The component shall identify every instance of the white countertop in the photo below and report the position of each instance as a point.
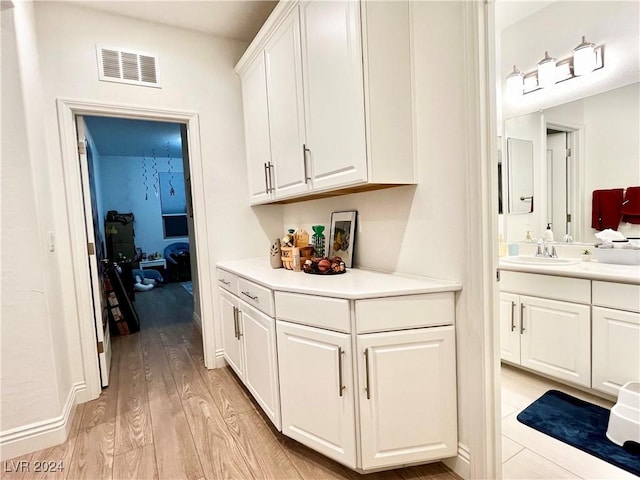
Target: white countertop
(592, 270)
(356, 284)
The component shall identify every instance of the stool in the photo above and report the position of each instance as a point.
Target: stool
(624, 420)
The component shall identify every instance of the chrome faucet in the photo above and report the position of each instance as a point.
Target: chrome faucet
(544, 251)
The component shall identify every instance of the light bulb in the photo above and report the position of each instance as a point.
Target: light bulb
(515, 82)
(584, 58)
(547, 71)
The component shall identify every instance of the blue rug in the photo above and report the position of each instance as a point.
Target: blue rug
(582, 425)
(188, 286)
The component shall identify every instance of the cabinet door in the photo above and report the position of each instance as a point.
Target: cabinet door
(556, 339)
(333, 90)
(286, 108)
(231, 340)
(261, 367)
(407, 392)
(256, 129)
(616, 348)
(510, 327)
(316, 390)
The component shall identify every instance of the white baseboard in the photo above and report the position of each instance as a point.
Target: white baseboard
(220, 361)
(461, 465)
(44, 434)
(197, 320)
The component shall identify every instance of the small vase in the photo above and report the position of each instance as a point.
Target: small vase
(318, 240)
(275, 254)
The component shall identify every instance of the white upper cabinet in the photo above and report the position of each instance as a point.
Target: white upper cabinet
(286, 108)
(256, 129)
(338, 96)
(334, 92)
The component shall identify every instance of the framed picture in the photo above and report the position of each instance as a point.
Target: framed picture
(342, 236)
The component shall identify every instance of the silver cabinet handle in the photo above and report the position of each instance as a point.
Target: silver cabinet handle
(238, 312)
(366, 373)
(248, 294)
(235, 322)
(521, 318)
(270, 187)
(266, 177)
(223, 281)
(304, 161)
(341, 387)
(513, 320)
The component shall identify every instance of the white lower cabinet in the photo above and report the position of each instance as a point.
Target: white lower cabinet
(616, 348)
(231, 339)
(261, 363)
(555, 336)
(407, 396)
(316, 385)
(249, 342)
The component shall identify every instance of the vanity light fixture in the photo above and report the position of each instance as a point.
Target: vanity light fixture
(515, 82)
(585, 59)
(547, 71)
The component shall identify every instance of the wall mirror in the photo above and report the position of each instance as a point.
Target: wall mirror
(520, 175)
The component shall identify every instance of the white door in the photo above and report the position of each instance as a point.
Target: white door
(231, 333)
(510, 327)
(286, 108)
(256, 130)
(616, 348)
(407, 390)
(557, 193)
(316, 389)
(96, 254)
(261, 363)
(556, 339)
(334, 92)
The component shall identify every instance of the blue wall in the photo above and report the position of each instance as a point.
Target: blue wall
(123, 189)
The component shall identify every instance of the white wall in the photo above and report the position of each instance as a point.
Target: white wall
(28, 378)
(123, 191)
(423, 229)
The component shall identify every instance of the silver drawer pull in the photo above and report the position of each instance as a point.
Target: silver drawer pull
(223, 281)
(248, 294)
(513, 323)
(521, 318)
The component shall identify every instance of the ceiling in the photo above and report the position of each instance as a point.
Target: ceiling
(121, 137)
(509, 12)
(235, 19)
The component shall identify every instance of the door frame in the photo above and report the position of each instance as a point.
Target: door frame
(67, 109)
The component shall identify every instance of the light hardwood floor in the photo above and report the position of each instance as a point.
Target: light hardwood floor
(165, 416)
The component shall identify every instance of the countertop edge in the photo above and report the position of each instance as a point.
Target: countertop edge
(573, 271)
(431, 285)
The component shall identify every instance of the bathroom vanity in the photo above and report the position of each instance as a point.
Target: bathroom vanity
(360, 367)
(579, 324)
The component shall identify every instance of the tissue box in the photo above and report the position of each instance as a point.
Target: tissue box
(619, 256)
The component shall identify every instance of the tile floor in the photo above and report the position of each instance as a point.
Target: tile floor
(529, 454)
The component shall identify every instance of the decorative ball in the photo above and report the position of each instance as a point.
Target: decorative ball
(324, 265)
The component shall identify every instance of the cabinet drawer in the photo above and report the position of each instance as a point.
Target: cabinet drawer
(577, 290)
(409, 311)
(227, 280)
(323, 312)
(621, 296)
(256, 295)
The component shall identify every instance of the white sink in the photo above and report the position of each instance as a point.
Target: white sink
(523, 260)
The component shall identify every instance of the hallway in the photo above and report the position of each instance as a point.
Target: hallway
(166, 416)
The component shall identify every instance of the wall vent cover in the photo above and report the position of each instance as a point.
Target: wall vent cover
(126, 66)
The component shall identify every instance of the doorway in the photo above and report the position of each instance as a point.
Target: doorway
(141, 225)
(68, 110)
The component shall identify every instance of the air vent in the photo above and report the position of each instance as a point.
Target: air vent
(134, 68)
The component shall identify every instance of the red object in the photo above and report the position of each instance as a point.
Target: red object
(606, 209)
(631, 205)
